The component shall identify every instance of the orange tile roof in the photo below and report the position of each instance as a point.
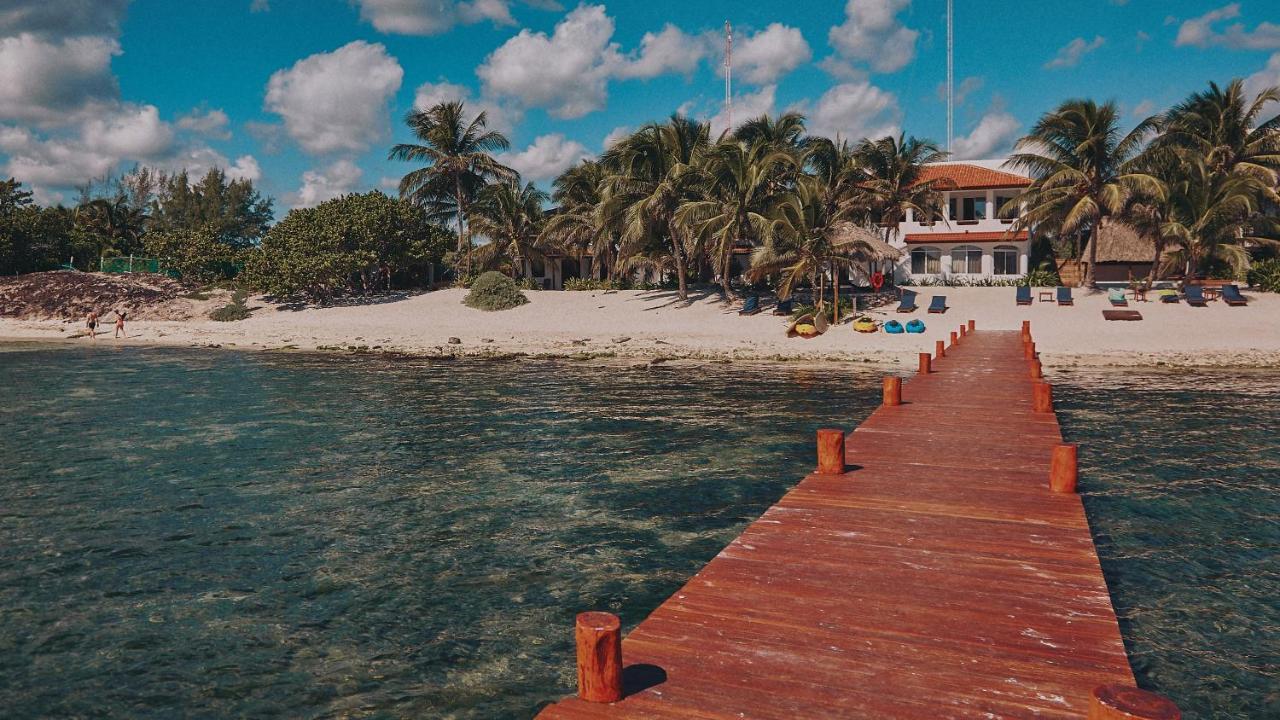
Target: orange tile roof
(970, 177)
(958, 237)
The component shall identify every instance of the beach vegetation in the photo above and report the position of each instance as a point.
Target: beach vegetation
(235, 310)
(1265, 275)
(494, 291)
(510, 215)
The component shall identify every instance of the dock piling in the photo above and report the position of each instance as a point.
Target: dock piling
(1123, 702)
(940, 349)
(892, 391)
(1026, 331)
(926, 363)
(954, 338)
(830, 451)
(1037, 370)
(1041, 397)
(1063, 471)
(972, 326)
(598, 636)
(964, 329)
(1029, 350)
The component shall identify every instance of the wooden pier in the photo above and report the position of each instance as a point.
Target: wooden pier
(929, 573)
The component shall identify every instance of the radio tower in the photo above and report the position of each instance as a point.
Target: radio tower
(950, 76)
(728, 73)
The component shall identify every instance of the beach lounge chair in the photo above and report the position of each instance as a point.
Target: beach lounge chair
(1117, 298)
(1024, 294)
(1122, 315)
(751, 306)
(908, 303)
(783, 307)
(938, 304)
(1169, 296)
(1064, 296)
(1195, 296)
(1231, 295)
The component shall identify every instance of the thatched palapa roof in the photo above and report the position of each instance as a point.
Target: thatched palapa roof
(1120, 243)
(875, 248)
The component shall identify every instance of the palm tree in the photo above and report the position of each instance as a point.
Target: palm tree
(580, 222)
(458, 164)
(1207, 219)
(891, 185)
(1223, 126)
(836, 165)
(651, 175)
(116, 222)
(737, 185)
(1085, 170)
(511, 217)
(785, 132)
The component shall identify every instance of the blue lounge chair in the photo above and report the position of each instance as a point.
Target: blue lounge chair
(1231, 295)
(1024, 294)
(908, 303)
(751, 306)
(783, 307)
(1117, 298)
(1064, 296)
(938, 304)
(1169, 297)
(1195, 296)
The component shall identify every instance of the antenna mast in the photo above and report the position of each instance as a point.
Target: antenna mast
(728, 72)
(950, 76)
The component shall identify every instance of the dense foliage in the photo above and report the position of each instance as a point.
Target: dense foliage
(354, 244)
(494, 291)
(1265, 275)
(234, 310)
(195, 253)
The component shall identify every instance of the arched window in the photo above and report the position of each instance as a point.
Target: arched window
(1006, 260)
(966, 260)
(926, 261)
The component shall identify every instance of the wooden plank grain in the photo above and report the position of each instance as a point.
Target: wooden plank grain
(936, 577)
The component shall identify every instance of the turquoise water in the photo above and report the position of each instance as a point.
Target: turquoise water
(218, 534)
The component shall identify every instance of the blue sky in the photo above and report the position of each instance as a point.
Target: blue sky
(306, 96)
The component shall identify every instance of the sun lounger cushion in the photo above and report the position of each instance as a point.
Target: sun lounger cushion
(938, 304)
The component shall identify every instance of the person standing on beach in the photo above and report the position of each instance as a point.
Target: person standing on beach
(91, 322)
(120, 324)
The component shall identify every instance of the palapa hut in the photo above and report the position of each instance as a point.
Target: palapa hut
(870, 248)
(1122, 254)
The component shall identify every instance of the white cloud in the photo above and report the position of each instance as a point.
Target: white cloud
(614, 136)
(567, 72)
(669, 51)
(212, 123)
(55, 80)
(245, 168)
(853, 111)
(1268, 76)
(967, 87)
(134, 132)
(339, 178)
(993, 136)
(745, 107)
(762, 58)
(1199, 32)
(546, 157)
(337, 100)
(1144, 109)
(62, 18)
(497, 116)
(871, 33)
(61, 163)
(1069, 55)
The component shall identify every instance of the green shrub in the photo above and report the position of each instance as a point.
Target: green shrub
(234, 310)
(846, 310)
(1041, 278)
(589, 284)
(529, 284)
(494, 291)
(1265, 275)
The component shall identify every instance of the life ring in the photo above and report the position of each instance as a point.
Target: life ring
(877, 280)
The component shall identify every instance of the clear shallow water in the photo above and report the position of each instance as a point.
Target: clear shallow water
(223, 534)
(1180, 474)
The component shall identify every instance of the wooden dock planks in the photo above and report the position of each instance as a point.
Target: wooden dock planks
(937, 578)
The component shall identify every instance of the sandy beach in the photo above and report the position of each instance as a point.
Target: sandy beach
(656, 324)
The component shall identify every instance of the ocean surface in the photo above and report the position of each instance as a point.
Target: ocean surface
(218, 534)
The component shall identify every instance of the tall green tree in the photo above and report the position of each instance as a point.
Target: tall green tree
(511, 217)
(581, 222)
(232, 210)
(736, 188)
(1085, 168)
(892, 170)
(117, 224)
(1226, 129)
(1206, 219)
(459, 163)
(652, 173)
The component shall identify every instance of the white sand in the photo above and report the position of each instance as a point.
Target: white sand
(639, 324)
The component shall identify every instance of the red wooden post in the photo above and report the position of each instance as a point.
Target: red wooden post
(599, 639)
(1042, 397)
(964, 330)
(972, 326)
(940, 349)
(892, 391)
(1029, 350)
(830, 452)
(1026, 331)
(953, 338)
(1037, 371)
(926, 363)
(1062, 469)
(1124, 702)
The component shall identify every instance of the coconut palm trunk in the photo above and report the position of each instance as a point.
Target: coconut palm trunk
(835, 292)
(1093, 257)
(678, 252)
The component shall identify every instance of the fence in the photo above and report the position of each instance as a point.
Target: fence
(132, 264)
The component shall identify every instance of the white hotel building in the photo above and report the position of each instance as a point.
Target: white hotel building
(969, 242)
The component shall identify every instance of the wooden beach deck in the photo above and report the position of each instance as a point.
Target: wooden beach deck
(936, 577)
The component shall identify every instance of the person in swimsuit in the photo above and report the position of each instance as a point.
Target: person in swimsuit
(120, 324)
(91, 322)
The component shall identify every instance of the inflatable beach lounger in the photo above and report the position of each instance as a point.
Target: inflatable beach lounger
(915, 326)
(864, 325)
(893, 327)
